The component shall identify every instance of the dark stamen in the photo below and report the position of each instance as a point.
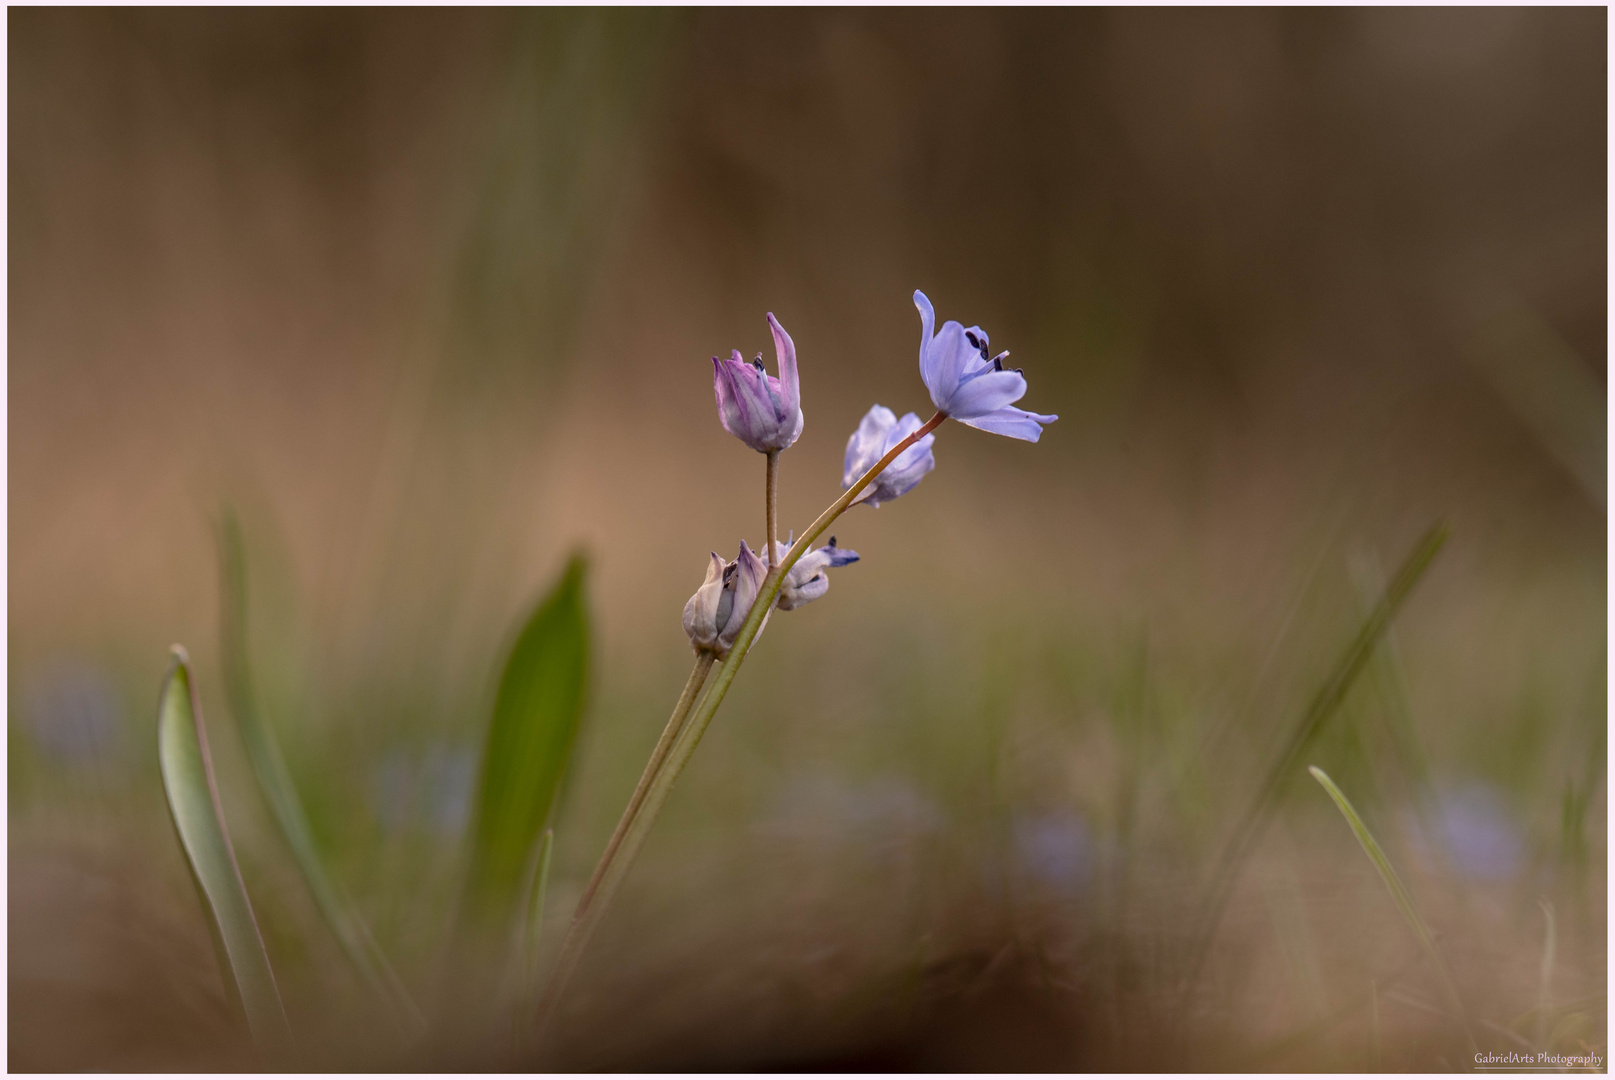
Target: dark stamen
(832, 541)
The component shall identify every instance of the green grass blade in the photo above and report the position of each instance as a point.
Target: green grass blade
(198, 815)
(534, 924)
(535, 724)
(275, 781)
(1399, 892)
(1324, 704)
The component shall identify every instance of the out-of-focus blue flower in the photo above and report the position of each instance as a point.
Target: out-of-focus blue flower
(1055, 849)
(714, 615)
(431, 789)
(74, 714)
(807, 580)
(877, 433)
(883, 814)
(1482, 837)
(761, 411)
(970, 386)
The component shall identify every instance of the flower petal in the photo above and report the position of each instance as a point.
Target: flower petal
(985, 393)
(1013, 422)
(927, 338)
(867, 444)
(950, 359)
(785, 352)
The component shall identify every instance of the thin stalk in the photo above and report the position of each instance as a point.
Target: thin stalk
(771, 502)
(1321, 708)
(1400, 894)
(587, 920)
(675, 724)
(835, 509)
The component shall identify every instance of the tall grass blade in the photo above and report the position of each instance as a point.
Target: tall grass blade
(1324, 704)
(535, 723)
(532, 925)
(275, 781)
(1399, 892)
(198, 815)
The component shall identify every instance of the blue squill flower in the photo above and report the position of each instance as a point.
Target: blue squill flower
(879, 431)
(761, 411)
(807, 580)
(714, 615)
(970, 386)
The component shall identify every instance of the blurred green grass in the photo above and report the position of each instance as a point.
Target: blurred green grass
(439, 291)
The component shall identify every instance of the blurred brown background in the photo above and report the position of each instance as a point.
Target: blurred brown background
(429, 296)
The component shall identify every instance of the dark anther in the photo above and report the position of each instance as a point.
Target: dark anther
(832, 541)
(757, 362)
(970, 336)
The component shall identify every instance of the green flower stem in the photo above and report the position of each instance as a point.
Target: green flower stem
(771, 502)
(675, 724)
(615, 869)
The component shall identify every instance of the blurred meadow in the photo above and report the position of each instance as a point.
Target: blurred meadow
(334, 334)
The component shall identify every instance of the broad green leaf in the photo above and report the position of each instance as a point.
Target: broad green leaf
(193, 802)
(1399, 892)
(275, 781)
(535, 723)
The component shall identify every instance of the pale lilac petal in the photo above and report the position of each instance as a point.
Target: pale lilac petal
(725, 395)
(950, 356)
(986, 393)
(867, 444)
(1016, 423)
(785, 352)
(927, 331)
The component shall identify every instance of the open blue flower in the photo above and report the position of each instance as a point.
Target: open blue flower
(879, 431)
(761, 411)
(967, 384)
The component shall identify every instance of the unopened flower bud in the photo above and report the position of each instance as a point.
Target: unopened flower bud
(807, 580)
(714, 615)
(761, 411)
(879, 431)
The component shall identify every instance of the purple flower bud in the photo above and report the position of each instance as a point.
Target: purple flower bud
(879, 431)
(714, 615)
(807, 580)
(761, 411)
(968, 384)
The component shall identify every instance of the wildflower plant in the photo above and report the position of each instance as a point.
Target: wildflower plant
(886, 458)
(538, 708)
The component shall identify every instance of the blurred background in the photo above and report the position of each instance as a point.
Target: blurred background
(427, 299)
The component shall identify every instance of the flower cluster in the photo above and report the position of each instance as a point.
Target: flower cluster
(885, 458)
